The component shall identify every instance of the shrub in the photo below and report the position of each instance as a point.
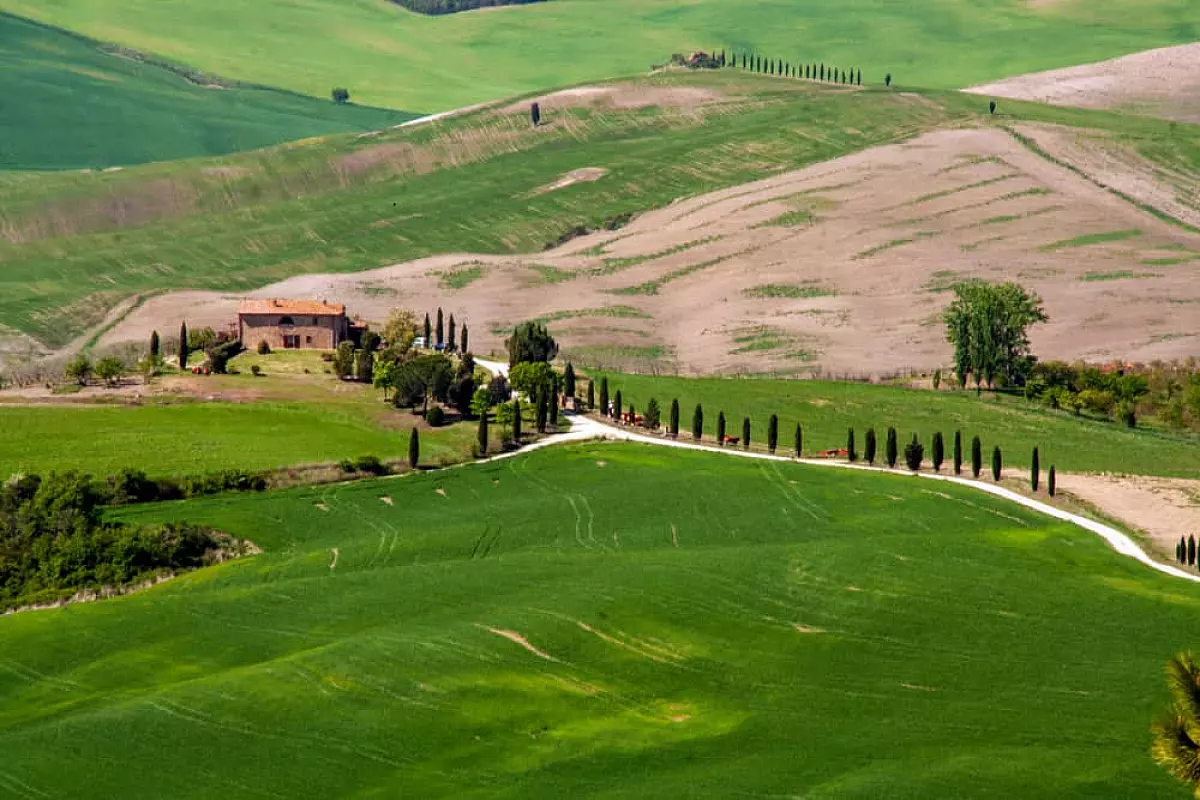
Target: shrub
(958, 458)
(371, 465)
(870, 449)
(340, 96)
(1127, 413)
(109, 370)
(435, 417)
(997, 463)
(939, 451)
(914, 453)
(264, 348)
(1035, 471)
(1051, 484)
(327, 358)
(255, 370)
(79, 369)
(653, 415)
(851, 452)
(346, 465)
(976, 457)
(891, 448)
(772, 433)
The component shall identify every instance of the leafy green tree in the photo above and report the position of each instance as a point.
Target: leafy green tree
(1051, 483)
(673, 424)
(851, 450)
(1035, 471)
(604, 396)
(997, 463)
(772, 433)
(154, 346)
(652, 417)
(384, 376)
(530, 342)
(976, 457)
(79, 369)
(463, 343)
(530, 377)
(183, 345)
(870, 449)
(414, 448)
(343, 360)
(939, 451)
(698, 422)
(891, 448)
(721, 428)
(440, 328)
(421, 379)
(481, 402)
(482, 434)
(109, 370)
(914, 453)
(591, 395)
(219, 355)
(745, 433)
(1176, 733)
(988, 326)
(504, 417)
(569, 380)
(799, 443)
(364, 366)
(399, 331)
(958, 453)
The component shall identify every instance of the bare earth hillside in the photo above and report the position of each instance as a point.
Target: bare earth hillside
(840, 268)
(1162, 83)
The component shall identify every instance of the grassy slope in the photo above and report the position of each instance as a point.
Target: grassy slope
(69, 105)
(351, 203)
(987, 651)
(388, 56)
(826, 410)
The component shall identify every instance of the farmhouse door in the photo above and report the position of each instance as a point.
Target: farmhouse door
(291, 342)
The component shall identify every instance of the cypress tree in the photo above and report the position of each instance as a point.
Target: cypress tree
(976, 457)
(939, 451)
(914, 454)
(483, 434)
(569, 380)
(604, 396)
(799, 444)
(183, 345)
(1179, 550)
(958, 462)
(860, 77)
(452, 338)
(997, 464)
(553, 401)
(851, 452)
(698, 423)
(745, 433)
(543, 409)
(441, 328)
(870, 453)
(887, 81)
(516, 420)
(617, 405)
(154, 346)
(772, 433)
(428, 331)
(1051, 483)
(591, 395)
(892, 448)
(1191, 550)
(414, 448)
(463, 341)
(1035, 471)
(673, 423)
(822, 72)
(721, 428)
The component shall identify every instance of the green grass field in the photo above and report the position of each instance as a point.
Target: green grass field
(826, 410)
(390, 57)
(78, 244)
(691, 625)
(68, 105)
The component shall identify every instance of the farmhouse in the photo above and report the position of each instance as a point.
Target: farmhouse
(292, 324)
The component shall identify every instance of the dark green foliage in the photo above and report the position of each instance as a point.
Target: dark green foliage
(220, 354)
(997, 463)
(721, 428)
(851, 450)
(535, 114)
(428, 331)
(420, 380)
(1035, 471)
(1179, 550)
(482, 435)
(451, 334)
(462, 392)
(939, 451)
(988, 325)
(264, 348)
(914, 453)
(436, 417)
(617, 405)
(891, 448)
(154, 346)
(364, 366)
(799, 443)
(992, 107)
(870, 448)
(440, 328)
(958, 453)
(673, 425)
(498, 390)
(604, 396)
(772, 433)
(746, 433)
(887, 81)
(414, 448)
(976, 457)
(183, 345)
(542, 413)
(591, 395)
(569, 380)
(340, 96)
(1051, 483)
(370, 465)
(653, 415)
(698, 422)
(1191, 554)
(464, 344)
(516, 425)
(530, 342)
(552, 400)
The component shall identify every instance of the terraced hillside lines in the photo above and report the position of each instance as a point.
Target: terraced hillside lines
(467, 58)
(703, 628)
(69, 105)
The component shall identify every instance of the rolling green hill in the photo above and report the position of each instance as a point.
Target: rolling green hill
(392, 57)
(609, 620)
(66, 104)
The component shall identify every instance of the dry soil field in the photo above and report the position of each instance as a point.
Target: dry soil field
(840, 268)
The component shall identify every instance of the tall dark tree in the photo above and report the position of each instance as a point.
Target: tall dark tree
(553, 400)
(591, 395)
(958, 455)
(891, 448)
(992, 107)
(1035, 471)
(617, 405)
(914, 453)
(483, 434)
(535, 114)
(154, 346)
(745, 433)
(721, 428)
(428, 331)
(463, 343)
(887, 81)
(997, 463)
(440, 329)
(604, 396)
(543, 409)
(1051, 483)
(772, 433)
(516, 428)
(939, 451)
(451, 334)
(183, 345)
(822, 72)
(870, 448)
(698, 422)
(976, 457)
(673, 422)
(799, 443)
(414, 448)
(1191, 550)
(569, 380)
(851, 450)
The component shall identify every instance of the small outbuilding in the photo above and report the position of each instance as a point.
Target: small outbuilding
(292, 324)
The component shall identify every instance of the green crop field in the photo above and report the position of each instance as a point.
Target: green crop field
(390, 57)
(78, 244)
(609, 620)
(69, 105)
(827, 409)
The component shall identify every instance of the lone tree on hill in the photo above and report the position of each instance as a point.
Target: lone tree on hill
(914, 453)
(939, 451)
(988, 326)
(530, 342)
(1035, 471)
(154, 346)
(466, 348)
(483, 434)
(891, 448)
(870, 448)
(535, 114)
(604, 396)
(745, 433)
(1176, 732)
(851, 451)
(673, 425)
(976, 457)
(992, 107)
(888, 80)
(721, 428)
(698, 422)
(1051, 482)
(652, 416)
(414, 448)
(569, 380)
(997, 463)
(340, 96)
(958, 457)
(183, 345)
(772, 433)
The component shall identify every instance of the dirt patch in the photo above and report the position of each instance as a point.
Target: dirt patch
(387, 500)
(585, 175)
(807, 629)
(517, 638)
(618, 96)
(1162, 508)
(334, 559)
(1163, 82)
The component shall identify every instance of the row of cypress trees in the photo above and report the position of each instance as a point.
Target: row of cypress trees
(810, 72)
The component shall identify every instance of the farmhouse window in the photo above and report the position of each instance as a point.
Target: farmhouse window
(286, 321)
(308, 340)
(291, 342)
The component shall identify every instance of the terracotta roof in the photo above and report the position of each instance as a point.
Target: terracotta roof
(311, 308)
